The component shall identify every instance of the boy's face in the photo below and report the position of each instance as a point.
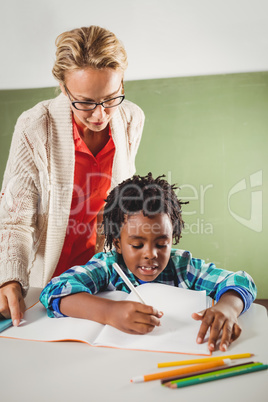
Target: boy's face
(145, 244)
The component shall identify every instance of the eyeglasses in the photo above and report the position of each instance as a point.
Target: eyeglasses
(87, 105)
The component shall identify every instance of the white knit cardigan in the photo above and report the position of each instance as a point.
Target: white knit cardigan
(38, 182)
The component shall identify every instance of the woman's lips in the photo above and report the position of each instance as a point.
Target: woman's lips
(98, 123)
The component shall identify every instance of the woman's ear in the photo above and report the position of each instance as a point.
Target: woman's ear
(62, 88)
(117, 244)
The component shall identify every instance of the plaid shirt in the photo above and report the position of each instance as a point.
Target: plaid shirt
(182, 270)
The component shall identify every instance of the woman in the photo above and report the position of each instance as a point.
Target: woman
(66, 154)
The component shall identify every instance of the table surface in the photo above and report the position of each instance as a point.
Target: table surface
(74, 371)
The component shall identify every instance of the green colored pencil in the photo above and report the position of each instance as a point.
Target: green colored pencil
(217, 375)
(220, 371)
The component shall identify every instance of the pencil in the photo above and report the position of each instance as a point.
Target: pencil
(203, 360)
(5, 323)
(182, 370)
(218, 376)
(182, 376)
(127, 281)
(218, 371)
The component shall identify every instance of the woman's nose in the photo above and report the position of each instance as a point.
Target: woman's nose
(99, 111)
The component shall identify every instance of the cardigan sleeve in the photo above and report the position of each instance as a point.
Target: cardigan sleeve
(135, 132)
(134, 119)
(20, 207)
(134, 140)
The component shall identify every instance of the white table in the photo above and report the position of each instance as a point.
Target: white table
(75, 372)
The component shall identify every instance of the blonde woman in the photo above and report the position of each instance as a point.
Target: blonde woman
(66, 155)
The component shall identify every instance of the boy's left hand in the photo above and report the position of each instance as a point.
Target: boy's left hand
(221, 317)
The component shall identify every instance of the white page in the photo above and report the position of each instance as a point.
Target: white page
(177, 333)
(178, 330)
(38, 326)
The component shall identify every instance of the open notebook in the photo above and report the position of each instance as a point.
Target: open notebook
(177, 333)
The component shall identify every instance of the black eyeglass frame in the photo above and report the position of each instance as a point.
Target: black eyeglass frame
(94, 103)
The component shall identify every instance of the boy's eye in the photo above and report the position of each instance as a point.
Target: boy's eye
(161, 245)
(137, 245)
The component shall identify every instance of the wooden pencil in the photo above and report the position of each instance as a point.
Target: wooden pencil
(182, 370)
(218, 375)
(203, 360)
(182, 376)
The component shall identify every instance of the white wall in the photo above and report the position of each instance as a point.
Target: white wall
(164, 38)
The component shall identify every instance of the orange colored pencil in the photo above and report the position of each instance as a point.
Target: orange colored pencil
(183, 370)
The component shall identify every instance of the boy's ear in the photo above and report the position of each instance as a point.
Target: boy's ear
(117, 244)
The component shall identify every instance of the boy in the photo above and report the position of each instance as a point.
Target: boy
(141, 219)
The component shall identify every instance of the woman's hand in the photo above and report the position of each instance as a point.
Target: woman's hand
(133, 317)
(221, 317)
(12, 302)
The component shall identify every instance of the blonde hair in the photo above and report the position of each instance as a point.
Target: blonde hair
(93, 47)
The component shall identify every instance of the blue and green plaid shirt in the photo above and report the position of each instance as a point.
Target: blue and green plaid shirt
(182, 271)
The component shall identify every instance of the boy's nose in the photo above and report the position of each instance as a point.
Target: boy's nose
(150, 253)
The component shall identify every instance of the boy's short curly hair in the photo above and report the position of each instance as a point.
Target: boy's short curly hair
(146, 194)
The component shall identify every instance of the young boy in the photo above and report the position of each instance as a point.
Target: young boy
(141, 219)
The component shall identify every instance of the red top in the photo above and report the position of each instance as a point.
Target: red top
(92, 180)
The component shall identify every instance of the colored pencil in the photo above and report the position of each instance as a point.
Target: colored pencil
(218, 371)
(127, 281)
(182, 370)
(203, 360)
(217, 376)
(5, 323)
(182, 376)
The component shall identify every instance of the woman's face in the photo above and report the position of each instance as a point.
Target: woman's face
(94, 86)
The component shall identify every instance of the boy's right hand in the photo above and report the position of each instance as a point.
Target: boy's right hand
(133, 317)
(12, 302)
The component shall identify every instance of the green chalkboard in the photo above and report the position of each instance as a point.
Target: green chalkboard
(209, 135)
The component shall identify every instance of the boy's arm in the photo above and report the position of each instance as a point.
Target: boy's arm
(130, 317)
(90, 278)
(73, 294)
(199, 275)
(233, 291)
(221, 317)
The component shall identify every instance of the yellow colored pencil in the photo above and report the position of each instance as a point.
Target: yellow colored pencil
(204, 360)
